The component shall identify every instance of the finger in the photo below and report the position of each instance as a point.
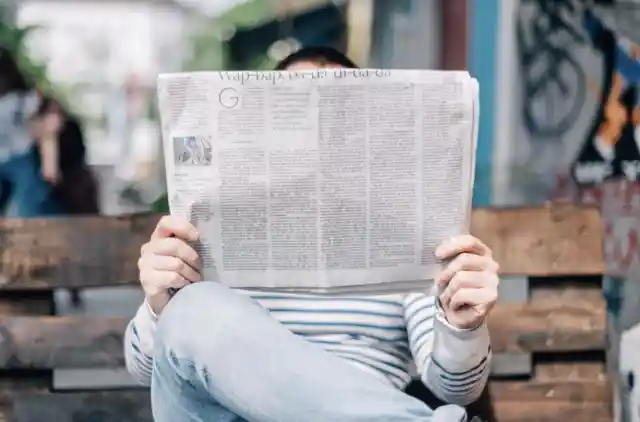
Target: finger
(462, 279)
(459, 244)
(155, 281)
(174, 247)
(467, 262)
(171, 225)
(173, 264)
(482, 299)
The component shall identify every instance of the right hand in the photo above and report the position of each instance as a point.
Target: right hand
(167, 261)
(47, 126)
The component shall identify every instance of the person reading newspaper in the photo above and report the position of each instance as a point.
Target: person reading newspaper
(211, 353)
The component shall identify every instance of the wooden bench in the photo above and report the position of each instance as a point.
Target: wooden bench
(561, 328)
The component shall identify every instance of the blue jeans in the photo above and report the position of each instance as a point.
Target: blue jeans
(219, 356)
(31, 195)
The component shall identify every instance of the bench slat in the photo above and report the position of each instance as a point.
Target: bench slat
(548, 325)
(101, 251)
(515, 401)
(543, 241)
(121, 406)
(558, 392)
(72, 252)
(551, 391)
(546, 411)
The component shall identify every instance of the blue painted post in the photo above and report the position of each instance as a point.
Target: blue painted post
(483, 47)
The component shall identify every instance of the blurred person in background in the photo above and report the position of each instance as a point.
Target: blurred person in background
(24, 188)
(61, 158)
(211, 353)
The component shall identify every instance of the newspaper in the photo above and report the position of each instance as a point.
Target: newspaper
(327, 181)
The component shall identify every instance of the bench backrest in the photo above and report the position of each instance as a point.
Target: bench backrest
(559, 326)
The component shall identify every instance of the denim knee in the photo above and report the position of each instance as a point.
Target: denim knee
(200, 318)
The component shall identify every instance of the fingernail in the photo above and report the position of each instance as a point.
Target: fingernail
(195, 236)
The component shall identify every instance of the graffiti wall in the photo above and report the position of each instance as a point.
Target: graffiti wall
(578, 130)
(575, 136)
(571, 128)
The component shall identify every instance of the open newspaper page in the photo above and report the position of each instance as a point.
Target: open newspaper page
(333, 181)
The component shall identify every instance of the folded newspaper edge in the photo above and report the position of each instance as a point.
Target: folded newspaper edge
(424, 286)
(193, 109)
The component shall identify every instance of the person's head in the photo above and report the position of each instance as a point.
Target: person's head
(49, 105)
(11, 79)
(315, 57)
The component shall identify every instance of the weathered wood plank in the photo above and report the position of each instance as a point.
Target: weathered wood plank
(10, 388)
(570, 372)
(97, 251)
(568, 292)
(558, 391)
(31, 303)
(61, 342)
(551, 391)
(513, 401)
(23, 303)
(547, 411)
(551, 324)
(76, 342)
(72, 252)
(116, 406)
(574, 382)
(553, 394)
(544, 241)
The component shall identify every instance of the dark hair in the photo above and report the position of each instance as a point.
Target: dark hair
(321, 55)
(46, 104)
(10, 73)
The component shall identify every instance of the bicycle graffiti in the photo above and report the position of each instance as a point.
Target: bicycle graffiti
(553, 81)
(557, 84)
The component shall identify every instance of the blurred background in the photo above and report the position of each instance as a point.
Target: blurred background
(558, 85)
(102, 57)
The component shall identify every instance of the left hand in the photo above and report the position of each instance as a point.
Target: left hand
(470, 281)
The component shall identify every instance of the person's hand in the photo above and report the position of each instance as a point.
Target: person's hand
(50, 173)
(469, 281)
(168, 262)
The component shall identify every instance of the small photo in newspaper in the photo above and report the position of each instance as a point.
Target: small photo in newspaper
(191, 151)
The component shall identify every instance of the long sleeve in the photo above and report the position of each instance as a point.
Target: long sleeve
(453, 363)
(138, 345)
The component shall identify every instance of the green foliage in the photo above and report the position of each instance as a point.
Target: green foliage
(14, 38)
(161, 205)
(247, 14)
(208, 49)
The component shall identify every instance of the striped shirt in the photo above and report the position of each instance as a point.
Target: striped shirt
(383, 335)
